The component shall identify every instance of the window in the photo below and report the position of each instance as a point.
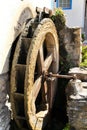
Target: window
(64, 4)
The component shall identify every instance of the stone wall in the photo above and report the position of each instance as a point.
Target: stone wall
(70, 45)
(69, 39)
(4, 111)
(76, 92)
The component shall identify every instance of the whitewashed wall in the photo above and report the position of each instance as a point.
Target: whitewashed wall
(41, 3)
(10, 11)
(75, 16)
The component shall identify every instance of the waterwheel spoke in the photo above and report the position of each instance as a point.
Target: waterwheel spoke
(37, 87)
(51, 84)
(48, 61)
(50, 93)
(44, 92)
(40, 59)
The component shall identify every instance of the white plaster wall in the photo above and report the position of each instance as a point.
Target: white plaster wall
(41, 3)
(75, 16)
(10, 11)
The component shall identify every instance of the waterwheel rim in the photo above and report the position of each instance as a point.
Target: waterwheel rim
(43, 56)
(17, 77)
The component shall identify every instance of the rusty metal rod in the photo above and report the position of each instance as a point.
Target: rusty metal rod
(62, 76)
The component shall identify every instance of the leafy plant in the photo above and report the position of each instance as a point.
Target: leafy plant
(83, 36)
(59, 19)
(84, 57)
(67, 127)
(65, 63)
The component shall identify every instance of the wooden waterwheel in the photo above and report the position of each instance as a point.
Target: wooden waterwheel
(36, 55)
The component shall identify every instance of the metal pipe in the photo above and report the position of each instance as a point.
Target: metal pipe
(62, 76)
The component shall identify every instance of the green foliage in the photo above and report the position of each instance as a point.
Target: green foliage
(59, 19)
(83, 36)
(59, 11)
(84, 57)
(67, 127)
(65, 64)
